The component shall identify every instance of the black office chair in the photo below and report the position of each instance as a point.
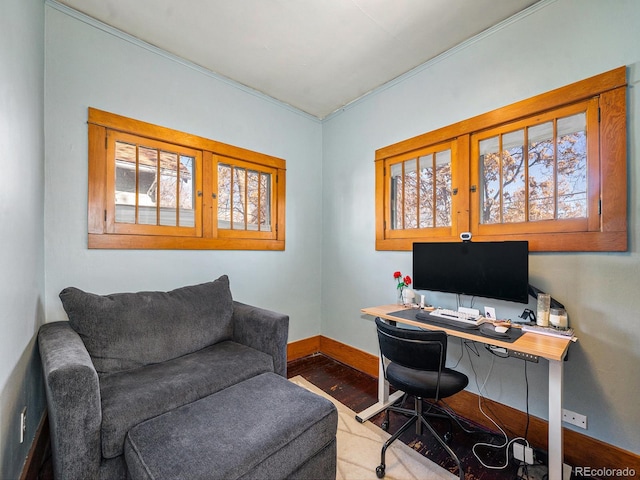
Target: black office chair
(417, 367)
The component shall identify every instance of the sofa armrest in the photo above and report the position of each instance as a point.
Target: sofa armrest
(73, 401)
(263, 330)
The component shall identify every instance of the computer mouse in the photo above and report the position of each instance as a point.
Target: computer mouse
(501, 329)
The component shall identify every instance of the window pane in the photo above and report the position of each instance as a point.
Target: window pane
(541, 168)
(253, 200)
(410, 194)
(238, 186)
(258, 195)
(420, 192)
(125, 199)
(554, 185)
(513, 185)
(426, 191)
(186, 192)
(244, 199)
(138, 186)
(147, 185)
(265, 202)
(490, 180)
(572, 167)
(396, 196)
(224, 196)
(443, 189)
(168, 188)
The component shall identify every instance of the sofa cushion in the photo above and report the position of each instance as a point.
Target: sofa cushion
(127, 330)
(263, 428)
(131, 397)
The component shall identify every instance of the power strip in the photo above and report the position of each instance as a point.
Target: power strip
(529, 357)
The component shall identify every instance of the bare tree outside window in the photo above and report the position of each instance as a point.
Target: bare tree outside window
(244, 198)
(549, 182)
(421, 192)
(550, 169)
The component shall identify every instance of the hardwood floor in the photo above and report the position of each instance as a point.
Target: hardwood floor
(358, 391)
(350, 387)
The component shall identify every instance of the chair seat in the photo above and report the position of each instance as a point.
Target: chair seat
(415, 357)
(422, 383)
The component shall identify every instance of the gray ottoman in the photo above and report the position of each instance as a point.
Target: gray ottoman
(262, 428)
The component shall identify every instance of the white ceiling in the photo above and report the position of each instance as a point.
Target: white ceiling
(315, 55)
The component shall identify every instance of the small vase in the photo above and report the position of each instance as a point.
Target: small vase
(400, 300)
(407, 297)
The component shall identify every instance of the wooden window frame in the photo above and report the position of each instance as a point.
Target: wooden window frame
(590, 223)
(604, 231)
(205, 235)
(418, 233)
(113, 227)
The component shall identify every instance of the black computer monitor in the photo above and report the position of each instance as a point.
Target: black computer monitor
(497, 270)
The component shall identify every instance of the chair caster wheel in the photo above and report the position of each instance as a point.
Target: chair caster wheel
(385, 427)
(380, 471)
(447, 437)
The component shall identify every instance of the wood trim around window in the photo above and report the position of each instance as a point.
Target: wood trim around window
(206, 235)
(604, 232)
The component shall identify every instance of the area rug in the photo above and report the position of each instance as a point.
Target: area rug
(359, 447)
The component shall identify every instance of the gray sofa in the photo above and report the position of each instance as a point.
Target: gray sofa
(125, 358)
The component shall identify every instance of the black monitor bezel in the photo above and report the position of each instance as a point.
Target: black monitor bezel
(503, 282)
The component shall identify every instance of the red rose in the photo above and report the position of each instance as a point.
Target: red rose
(407, 280)
(397, 275)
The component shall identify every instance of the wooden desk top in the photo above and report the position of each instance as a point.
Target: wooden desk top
(551, 348)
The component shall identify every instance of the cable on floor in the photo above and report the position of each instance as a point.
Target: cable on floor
(507, 443)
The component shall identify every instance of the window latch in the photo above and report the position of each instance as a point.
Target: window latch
(473, 188)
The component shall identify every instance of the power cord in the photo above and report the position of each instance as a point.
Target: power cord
(472, 347)
(507, 443)
(459, 300)
(453, 367)
(526, 382)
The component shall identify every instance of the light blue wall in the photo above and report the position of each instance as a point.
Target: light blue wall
(88, 64)
(330, 268)
(553, 44)
(21, 225)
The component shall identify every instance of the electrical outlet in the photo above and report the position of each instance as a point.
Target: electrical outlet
(23, 424)
(529, 357)
(574, 418)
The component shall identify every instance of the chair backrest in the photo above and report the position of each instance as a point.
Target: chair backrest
(418, 349)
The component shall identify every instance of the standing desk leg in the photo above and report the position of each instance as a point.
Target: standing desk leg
(555, 420)
(384, 400)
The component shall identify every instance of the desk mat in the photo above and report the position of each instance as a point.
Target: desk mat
(509, 336)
